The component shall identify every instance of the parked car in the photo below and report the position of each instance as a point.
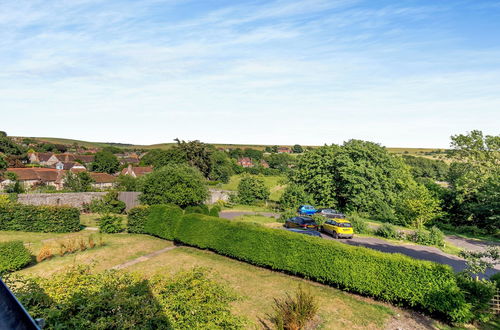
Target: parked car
(301, 222)
(305, 232)
(330, 213)
(306, 210)
(338, 228)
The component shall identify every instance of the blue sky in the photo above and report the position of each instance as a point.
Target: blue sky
(401, 73)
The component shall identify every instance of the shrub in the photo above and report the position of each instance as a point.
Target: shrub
(496, 279)
(44, 253)
(390, 277)
(293, 196)
(193, 300)
(78, 299)
(387, 231)
(433, 237)
(358, 224)
(294, 312)
(57, 219)
(182, 185)
(137, 217)
(251, 190)
(214, 211)
(287, 214)
(108, 204)
(200, 209)
(13, 256)
(478, 293)
(110, 224)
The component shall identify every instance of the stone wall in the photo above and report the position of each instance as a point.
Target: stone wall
(68, 199)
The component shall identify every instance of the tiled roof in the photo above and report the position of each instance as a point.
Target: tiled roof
(137, 170)
(43, 156)
(102, 177)
(42, 174)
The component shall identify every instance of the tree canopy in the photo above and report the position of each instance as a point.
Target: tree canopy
(105, 162)
(178, 184)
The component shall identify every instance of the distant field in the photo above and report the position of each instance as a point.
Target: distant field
(87, 144)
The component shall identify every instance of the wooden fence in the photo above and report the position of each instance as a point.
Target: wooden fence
(495, 303)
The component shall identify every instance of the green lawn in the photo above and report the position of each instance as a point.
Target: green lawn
(271, 182)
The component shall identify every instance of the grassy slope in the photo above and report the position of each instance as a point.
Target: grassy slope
(272, 182)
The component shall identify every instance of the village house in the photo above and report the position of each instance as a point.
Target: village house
(137, 171)
(31, 177)
(43, 158)
(102, 181)
(245, 162)
(69, 166)
(283, 150)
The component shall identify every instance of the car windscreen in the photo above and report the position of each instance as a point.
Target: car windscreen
(308, 221)
(344, 224)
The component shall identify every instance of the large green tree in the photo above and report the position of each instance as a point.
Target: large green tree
(363, 176)
(251, 190)
(105, 162)
(159, 158)
(221, 167)
(178, 184)
(474, 179)
(78, 182)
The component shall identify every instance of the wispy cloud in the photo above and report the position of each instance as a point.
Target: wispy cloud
(257, 71)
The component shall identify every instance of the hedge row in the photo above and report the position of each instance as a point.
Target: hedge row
(56, 219)
(390, 277)
(13, 256)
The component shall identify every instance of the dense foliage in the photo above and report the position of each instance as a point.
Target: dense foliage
(390, 277)
(159, 158)
(364, 177)
(129, 183)
(293, 196)
(110, 224)
(251, 190)
(78, 182)
(137, 217)
(182, 185)
(109, 203)
(79, 299)
(13, 256)
(105, 162)
(57, 219)
(427, 168)
(474, 197)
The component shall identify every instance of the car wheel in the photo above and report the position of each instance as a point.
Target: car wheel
(335, 235)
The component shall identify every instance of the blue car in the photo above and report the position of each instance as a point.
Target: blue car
(306, 209)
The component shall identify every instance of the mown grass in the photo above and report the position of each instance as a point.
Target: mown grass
(117, 249)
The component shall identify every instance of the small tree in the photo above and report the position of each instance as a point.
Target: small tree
(105, 162)
(293, 196)
(78, 182)
(297, 149)
(252, 189)
(179, 184)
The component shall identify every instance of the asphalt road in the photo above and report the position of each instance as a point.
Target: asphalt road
(413, 250)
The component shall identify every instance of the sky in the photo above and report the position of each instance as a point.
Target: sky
(400, 73)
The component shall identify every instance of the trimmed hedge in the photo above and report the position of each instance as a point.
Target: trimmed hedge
(13, 256)
(137, 217)
(55, 219)
(390, 277)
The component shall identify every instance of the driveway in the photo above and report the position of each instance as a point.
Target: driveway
(422, 252)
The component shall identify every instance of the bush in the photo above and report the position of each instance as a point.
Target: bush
(214, 211)
(358, 224)
(251, 190)
(193, 300)
(110, 224)
(108, 204)
(200, 209)
(433, 237)
(56, 219)
(496, 279)
(293, 196)
(387, 231)
(390, 277)
(137, 217)
(78, 299)
(294, 312)
(181, 185)
(13, 256)
(287, 214)
(478, 293)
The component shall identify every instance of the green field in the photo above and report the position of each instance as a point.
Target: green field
(271, 182)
